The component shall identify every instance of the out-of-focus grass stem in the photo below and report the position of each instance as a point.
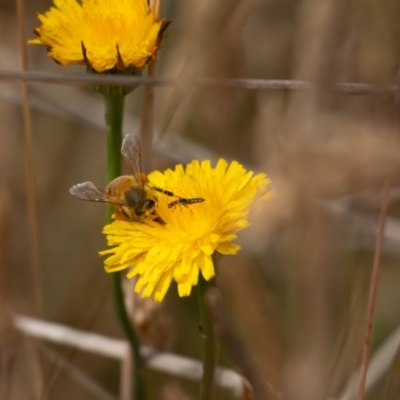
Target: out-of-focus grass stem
(30, 184)
(29, 170)
(147, 119)
(372, 290)
(376, 265)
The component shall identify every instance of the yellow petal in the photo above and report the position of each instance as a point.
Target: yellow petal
(207, 268)
(102, 34)
(184, 246)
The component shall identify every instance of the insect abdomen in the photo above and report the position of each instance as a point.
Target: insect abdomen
(120, 185)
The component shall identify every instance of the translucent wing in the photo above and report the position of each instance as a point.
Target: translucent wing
(89, 192)
(131, 152)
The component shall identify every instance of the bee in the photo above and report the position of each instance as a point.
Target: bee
(132, 195)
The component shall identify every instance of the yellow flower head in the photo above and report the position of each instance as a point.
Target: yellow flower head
(102, 34)
(184, 246)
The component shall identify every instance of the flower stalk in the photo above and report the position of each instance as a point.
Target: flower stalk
(114, 102)
(209, 345)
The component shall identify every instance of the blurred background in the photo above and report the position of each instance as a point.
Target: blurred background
(296, 295)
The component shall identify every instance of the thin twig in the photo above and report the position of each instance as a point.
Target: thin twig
(230, 339)
(168, 363)
(378, 366)
(376, 268)
(147, 121)
(70, 353)
(30, 185)
(185, 367)
(208, 82)
(372, 289)
(29, 169)
(174, 147)
(80, 376)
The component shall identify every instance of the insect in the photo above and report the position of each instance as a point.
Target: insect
(131, 195)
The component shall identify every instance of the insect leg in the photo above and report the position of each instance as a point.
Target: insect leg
(166, 192)
(179, 200)
(185, 202)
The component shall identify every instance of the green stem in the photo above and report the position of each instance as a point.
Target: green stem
(114, 115)
(209, 352)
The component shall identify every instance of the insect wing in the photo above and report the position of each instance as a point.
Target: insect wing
(131, 152)
(89, 192)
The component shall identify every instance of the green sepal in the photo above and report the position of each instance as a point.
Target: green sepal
(115, 90)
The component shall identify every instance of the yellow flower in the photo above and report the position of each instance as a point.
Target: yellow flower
(103, 34)
(184, 246)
